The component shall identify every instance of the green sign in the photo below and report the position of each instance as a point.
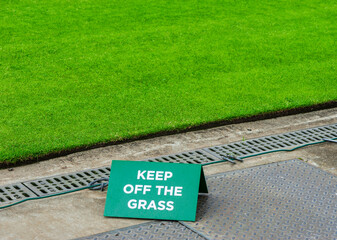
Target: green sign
(154, 190)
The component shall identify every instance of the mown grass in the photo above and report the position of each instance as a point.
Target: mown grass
(80, 72)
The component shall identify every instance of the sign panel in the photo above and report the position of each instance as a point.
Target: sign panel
(154, 190)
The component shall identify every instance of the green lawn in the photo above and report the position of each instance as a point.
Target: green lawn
(80, 72)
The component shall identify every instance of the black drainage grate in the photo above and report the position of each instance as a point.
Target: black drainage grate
(196, 157)
(66, 182)
(13, 193)
(274, 142)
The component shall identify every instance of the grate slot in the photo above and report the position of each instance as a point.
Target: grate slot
(13, 193)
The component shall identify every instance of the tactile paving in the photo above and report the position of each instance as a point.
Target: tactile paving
(151, 230)
(286, 200)
(196, 157)
(66, 182)
(14, 192)
(274, 142)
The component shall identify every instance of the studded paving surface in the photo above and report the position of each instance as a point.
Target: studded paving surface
(285, 200)
(152, 230)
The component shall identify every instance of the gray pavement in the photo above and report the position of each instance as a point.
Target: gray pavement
(81, 214)
(283, 200)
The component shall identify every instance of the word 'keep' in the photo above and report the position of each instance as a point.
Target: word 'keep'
(154, 175)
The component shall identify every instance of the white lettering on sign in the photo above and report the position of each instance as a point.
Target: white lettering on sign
(161, 205)
(167, 190)
(147, 188)
(171, 191)
(152, 205)
(159, 189)
(169, 206)
(154, 175)
(128, 188)
(143, 204)
(141, 175)
(151, 175)
(177, 191)
(159, 175)
(167, 175)
(132, 203)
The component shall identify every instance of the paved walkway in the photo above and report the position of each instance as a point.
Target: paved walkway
(81, 214)
(284, 200)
